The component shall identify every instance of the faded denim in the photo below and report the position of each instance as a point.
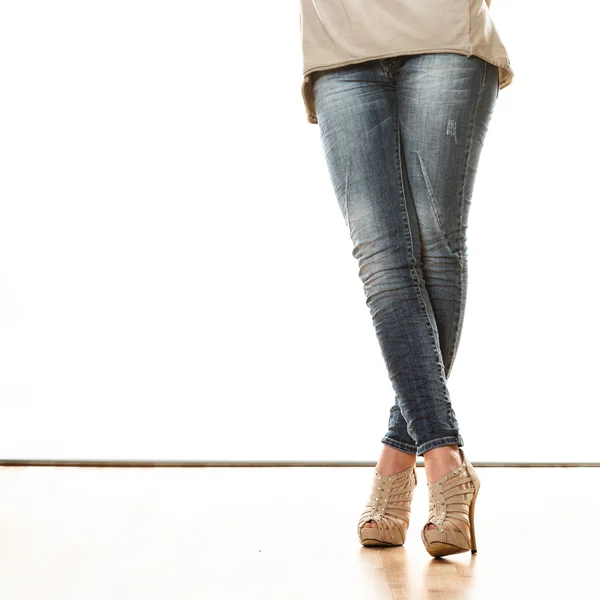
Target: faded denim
(402, 138)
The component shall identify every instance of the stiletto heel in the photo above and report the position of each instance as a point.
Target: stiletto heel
(451, 499)
(472, 522)
(388, 505)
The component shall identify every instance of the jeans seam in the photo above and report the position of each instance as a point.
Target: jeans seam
(462, 183)
(459, 318)
(463, 256)
(409, 237)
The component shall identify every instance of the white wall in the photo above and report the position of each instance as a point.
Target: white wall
(176, 280)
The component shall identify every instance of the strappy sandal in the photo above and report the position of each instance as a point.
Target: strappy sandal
(452, 511)
(389, 506)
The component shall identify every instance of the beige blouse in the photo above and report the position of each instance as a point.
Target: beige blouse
(335, 33)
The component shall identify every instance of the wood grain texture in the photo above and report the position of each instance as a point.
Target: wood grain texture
(283, 533)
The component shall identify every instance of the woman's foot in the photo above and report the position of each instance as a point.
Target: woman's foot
(393, 461)
(440, 461)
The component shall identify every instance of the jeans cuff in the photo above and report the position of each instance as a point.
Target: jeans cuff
(443, 441)
(410, 448)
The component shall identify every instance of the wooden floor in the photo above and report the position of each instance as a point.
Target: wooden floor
(284, 533)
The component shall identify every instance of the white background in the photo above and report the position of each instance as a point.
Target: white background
(176, 279)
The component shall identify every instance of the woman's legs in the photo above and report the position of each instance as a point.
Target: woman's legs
(402, 138)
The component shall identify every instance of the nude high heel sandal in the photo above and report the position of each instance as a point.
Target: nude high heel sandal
(452, 511)
(389, 506)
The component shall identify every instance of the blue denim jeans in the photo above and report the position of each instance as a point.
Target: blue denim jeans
(402, 138)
